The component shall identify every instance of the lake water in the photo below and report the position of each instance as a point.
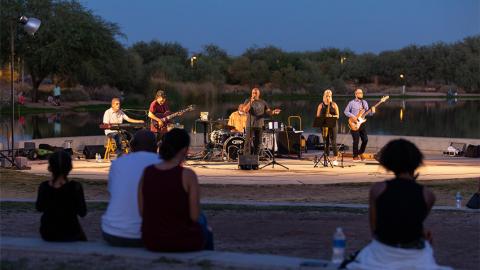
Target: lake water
(429, 118)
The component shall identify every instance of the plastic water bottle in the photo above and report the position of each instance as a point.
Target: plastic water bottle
(458, 200)
(339, 243)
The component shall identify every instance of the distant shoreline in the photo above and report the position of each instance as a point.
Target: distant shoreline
(93, 105)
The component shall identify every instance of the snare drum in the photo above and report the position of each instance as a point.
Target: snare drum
(219, 136)
(232, 145)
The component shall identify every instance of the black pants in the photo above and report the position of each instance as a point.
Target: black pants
(256, 134)
(331, 139)
(357, 135)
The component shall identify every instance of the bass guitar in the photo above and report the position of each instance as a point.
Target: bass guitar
(162, 126)
(355, 124)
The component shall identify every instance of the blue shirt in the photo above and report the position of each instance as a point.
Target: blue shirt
(56, 91)
(354, 107)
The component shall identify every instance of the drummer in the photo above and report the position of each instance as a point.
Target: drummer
(238, 120)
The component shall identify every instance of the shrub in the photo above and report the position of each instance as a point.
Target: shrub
(77, 93)
(104, 93)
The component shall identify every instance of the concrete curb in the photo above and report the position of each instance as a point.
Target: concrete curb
(282, 204)
(228, 259)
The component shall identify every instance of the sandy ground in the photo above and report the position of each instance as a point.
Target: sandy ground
(21, 185)
(294, 233)
(288, 231)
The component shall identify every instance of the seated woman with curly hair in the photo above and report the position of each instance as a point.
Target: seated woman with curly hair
(398, 208)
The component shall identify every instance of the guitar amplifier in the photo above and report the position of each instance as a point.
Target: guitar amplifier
(248, 162)
(289, 142)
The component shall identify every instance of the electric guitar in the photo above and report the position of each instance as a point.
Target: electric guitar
(162, 127)
(355, 124)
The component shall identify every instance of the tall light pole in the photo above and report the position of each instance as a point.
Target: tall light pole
(402, 77)
(192, 61)
(30, 25)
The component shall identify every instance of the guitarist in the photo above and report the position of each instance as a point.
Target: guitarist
(352, 110)
(158, 109)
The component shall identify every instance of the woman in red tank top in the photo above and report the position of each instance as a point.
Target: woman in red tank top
(169, 201)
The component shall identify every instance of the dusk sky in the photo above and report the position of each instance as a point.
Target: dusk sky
(300, 25)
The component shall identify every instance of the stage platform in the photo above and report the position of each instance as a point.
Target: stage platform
(300, 171)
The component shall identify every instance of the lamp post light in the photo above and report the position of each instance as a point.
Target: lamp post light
(30, 26)
(192, 60)
(402, 77)
(343, 59)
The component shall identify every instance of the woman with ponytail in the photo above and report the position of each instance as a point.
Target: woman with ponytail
(169, 201)
(60, 201)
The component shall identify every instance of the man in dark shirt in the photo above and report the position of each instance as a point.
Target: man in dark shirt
(158, 109)
(257, 109)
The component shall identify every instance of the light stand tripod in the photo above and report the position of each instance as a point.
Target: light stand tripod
(274, 126)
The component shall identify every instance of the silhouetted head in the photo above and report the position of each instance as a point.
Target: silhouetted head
(401, 156)
(59, 164)
(115, 104)
(160, 97)
(327, 96)
(144, 140)
(256, 93)
(359, 93)
(175, 144)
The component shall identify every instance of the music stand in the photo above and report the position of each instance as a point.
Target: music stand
(274, 127)
(324, 122)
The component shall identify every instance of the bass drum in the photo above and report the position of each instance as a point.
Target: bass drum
(219, 136)
(232, 146)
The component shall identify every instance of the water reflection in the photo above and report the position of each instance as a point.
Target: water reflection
(431, 118)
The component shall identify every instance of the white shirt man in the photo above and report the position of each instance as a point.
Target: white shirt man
(121, 222)
(115, 115)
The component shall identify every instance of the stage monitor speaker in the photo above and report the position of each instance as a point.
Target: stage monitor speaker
(248, 162)
(289, 142)
(90, 150)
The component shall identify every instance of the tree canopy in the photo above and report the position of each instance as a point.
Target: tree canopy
(73, 45)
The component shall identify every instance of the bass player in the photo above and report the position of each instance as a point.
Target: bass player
(353, 110)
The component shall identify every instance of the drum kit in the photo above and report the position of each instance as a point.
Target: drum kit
(225, 144)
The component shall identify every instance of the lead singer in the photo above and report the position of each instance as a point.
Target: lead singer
(257, 109)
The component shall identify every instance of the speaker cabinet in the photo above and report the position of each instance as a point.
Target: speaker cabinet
(90, 150)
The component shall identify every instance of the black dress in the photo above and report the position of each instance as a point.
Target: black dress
(60, 207)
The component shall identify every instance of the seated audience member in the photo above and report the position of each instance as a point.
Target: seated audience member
(169, 201)
(61, 201)
(121, 222)
(398, 208)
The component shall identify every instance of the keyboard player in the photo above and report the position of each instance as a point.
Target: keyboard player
(115, 115)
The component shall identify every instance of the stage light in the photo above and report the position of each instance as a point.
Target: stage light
(30, 25)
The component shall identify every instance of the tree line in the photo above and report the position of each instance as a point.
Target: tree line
(75, 46)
